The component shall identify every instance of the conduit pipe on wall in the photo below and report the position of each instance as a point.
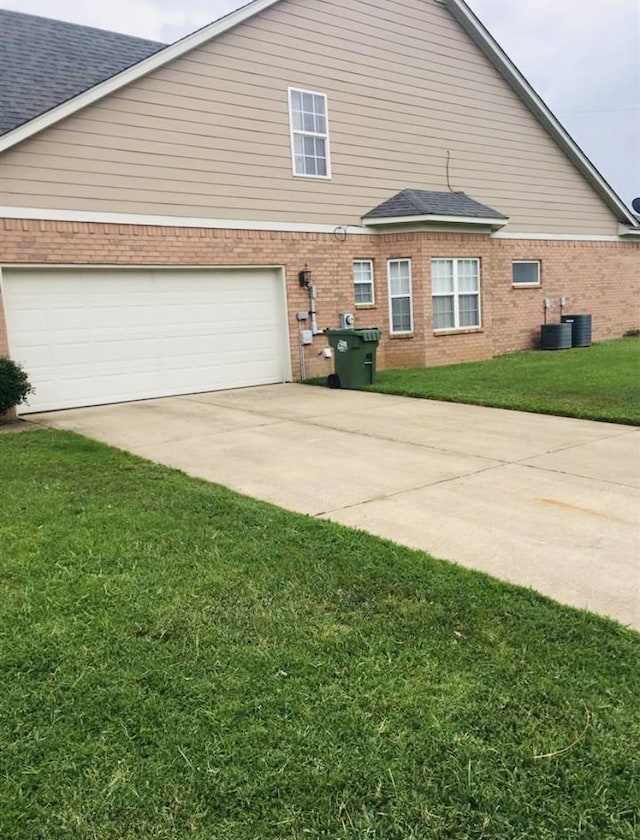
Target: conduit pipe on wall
(312, 309)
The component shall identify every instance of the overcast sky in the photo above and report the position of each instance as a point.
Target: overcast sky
(581, 56)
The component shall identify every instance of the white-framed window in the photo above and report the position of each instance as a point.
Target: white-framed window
(309, 121)
(525, 272)
(455, 287)
(400, 304)
(363, 291)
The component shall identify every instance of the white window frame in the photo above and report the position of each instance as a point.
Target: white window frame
(537, 283)
(295, 132)
(370, 283)
(456, 293)
(393, 297)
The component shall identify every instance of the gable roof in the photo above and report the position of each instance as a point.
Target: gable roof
(425, 205)
(457, 8)
(46, 62)
(130, 74)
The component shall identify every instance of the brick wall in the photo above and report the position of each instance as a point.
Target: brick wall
(602, 278)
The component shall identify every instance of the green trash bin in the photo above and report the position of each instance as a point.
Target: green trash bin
(354, 353)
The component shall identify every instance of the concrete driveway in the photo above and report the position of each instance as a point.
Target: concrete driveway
(546, 502)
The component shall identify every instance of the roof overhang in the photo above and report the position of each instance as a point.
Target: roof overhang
(432, 218)
(494, 52)
(624, 230)
(131, 74)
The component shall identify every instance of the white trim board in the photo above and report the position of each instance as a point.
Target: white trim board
(436, 218)
(559, 237)
(40, 214)
(625, 231)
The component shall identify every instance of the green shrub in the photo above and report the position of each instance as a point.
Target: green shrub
(14, 384)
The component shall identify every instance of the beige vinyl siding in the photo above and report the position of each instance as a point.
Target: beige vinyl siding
(208, 134)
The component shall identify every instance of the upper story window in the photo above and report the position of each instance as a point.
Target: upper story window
(309, 122)
(363, 282)
(455, 286)
(400, 303)
(525, 272)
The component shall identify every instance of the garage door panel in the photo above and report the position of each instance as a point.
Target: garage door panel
(95, 336)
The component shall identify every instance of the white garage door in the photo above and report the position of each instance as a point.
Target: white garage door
(88, 337)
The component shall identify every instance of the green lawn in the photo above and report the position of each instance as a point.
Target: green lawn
(601, 382)
(179, 661)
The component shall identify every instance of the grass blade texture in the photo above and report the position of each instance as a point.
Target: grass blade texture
(601, 382)
(179, 661)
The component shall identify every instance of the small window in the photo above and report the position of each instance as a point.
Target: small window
(363, 281)
(309, 123)
(455, 287)
(525, 273)
(400, 305)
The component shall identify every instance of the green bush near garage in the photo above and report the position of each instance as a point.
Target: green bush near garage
(14, 385)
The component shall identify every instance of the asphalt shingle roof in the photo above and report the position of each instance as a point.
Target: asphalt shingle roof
(425, 203)
(44, 62)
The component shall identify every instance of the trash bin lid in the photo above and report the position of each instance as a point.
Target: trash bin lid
(369, 334)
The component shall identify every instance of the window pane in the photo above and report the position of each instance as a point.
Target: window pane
(526, 272)
(469, 312)
(443, 313)
(442, 276)
(399, 286)
(363, 293)
(362, 271)
(468, 267)
(467, 283)
(319, 105)
(296, 100)
(308, 122)
(310, 166)
(399, 269)
(467, 275)
(321, 166)
(400, 315)
(320, 125)
(300, 165)
(307, 102)
(399, 277)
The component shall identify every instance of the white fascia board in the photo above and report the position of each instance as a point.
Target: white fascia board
(483, 38)
(556, 237)
(436, 219)
(131, 74)
(39, 214)
(623, 230)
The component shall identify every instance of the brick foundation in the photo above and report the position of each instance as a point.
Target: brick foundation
(602, 278)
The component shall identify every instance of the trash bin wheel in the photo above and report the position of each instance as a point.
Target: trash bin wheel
(333, 380)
